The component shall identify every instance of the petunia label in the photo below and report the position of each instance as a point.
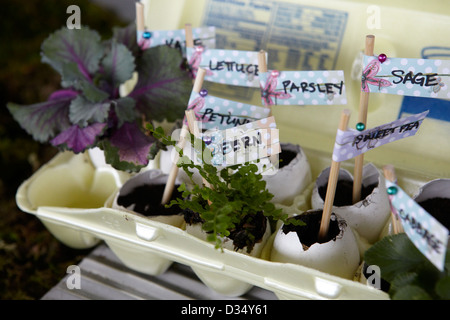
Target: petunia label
(427, 234)
(217, 113)
(351, 143)
(204, 36)
(246, 143)
(407, 77)
(232, 67)
(302, 87)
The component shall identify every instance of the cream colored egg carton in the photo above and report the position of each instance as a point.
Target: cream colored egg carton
(73, 200)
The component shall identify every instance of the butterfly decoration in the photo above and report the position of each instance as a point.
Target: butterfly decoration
(436, 88)
(269, 90)
(368, 77)
(197, 104)
(194, 61)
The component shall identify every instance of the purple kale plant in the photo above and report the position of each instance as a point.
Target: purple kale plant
(89, 111)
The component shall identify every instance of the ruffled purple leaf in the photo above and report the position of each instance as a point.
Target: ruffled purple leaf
(80, 46)
(78, 139)
(163, 87)
(117, 67)
(127, 36)
(82, 111)
(125, 110)
(132, 144)
(44, 120)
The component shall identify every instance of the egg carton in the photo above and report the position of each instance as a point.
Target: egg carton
(73, 199)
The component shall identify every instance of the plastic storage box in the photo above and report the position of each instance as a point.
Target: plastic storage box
(77, 207)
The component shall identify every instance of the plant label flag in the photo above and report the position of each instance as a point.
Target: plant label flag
(204, 36)
(245, 143)
(217, 113)
(427, 234)
(351, 143)
(302, 88)
(232, 67)
(407, 77)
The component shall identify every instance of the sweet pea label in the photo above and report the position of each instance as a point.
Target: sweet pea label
(233, 67)
(217, 113)
(351, 143)
(249, 142)
(205, 36)
(302, 87)
(407, 77)
(427, 234)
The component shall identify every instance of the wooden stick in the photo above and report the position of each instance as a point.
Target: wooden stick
(262, 67)
(188, 35)
(362, 117)
(193, 128)
(332, 183)
(140, 20)
(262, 63)
(389, 174)
(170, 184)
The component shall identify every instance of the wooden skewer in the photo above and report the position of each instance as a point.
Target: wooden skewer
(170, 185)
(188, 35)
(389, 174)
(140, 20)
(332, 183)
(262, 67)
(362, 118)
(193, 128)
(262, 63)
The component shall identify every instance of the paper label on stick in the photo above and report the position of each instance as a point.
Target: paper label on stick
(245, 143)
(233, 67)
(217, 113)
(407, 77)
(351, 143)
(427, 234)
(205, 36)
(303, 87)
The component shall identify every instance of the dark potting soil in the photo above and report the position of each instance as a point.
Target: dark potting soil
(285, 157)
(308, 234)
(147, 200)
(246, 234)
(439, 208)
(344, 192)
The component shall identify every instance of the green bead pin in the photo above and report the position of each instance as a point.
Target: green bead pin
(392, 190)
(360, 126)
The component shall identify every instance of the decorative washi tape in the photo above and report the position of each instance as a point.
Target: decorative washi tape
(302, 87)
(232, 67)
(246, 143)
(351, 143)
(407, 77)
(217, 113)
(427, 234)
(204, 36)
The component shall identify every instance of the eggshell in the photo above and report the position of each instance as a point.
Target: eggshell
(290, 180)
(197, 231)
(338, 257)
(368, 216)
(217, 281)
(438, 188)
(150, 177)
